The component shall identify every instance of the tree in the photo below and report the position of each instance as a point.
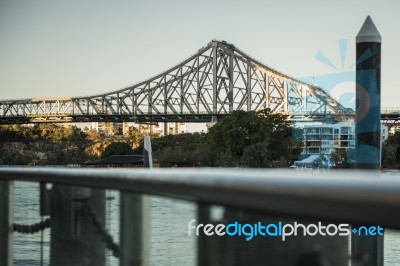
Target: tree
(186, 147)
(134, 136)
(117, 148)
(251, 139)
(44, 144)
(391, 152)
(343, 158)
(256, 156)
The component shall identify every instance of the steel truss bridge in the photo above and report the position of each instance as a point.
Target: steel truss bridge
(207, 86)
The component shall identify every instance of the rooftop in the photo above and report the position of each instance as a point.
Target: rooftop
(120, 159)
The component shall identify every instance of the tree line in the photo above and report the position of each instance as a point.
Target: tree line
(244, 139)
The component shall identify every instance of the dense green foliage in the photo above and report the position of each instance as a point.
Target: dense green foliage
(244, 139)
(117, 148)
(344, 158)
(187, 148)
(251, 139)
(391, 152)
(44, 144)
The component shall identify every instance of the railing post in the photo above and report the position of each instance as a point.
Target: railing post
(203, 251)
(74, 238)
(134, 225)
(6, 220)
(134, 232)
(147, 153)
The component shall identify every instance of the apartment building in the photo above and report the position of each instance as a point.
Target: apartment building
(326, 138)
(176, 128)
(171, 128)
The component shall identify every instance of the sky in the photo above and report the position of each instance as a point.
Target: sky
(78, 48)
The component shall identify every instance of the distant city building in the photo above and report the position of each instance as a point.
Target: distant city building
(107, 128)
(66, 125)
(321, 140)
(394, 129)
(171, 128)
(150, 129)
(125, 127)
(118, 128)
(176, 128)
(326, 138)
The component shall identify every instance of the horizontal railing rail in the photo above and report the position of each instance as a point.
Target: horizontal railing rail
(358, 197)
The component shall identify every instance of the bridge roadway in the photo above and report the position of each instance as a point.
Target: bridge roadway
(389, 116)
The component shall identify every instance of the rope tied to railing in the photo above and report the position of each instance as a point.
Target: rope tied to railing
(107, 238)
(31, 228)
(42, 225)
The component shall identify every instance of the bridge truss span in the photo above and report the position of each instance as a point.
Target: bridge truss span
(211, 84)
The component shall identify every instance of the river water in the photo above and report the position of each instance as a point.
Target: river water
(169, 242)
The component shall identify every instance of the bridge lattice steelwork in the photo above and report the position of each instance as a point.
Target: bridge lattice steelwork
(212, 83)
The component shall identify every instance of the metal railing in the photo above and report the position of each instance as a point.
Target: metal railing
(351, 196)
(354, 197)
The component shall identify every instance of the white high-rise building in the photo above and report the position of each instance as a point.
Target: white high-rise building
(326, 138)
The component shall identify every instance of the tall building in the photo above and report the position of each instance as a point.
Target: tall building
(125, 127)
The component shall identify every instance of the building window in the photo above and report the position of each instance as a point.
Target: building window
(313, 150)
